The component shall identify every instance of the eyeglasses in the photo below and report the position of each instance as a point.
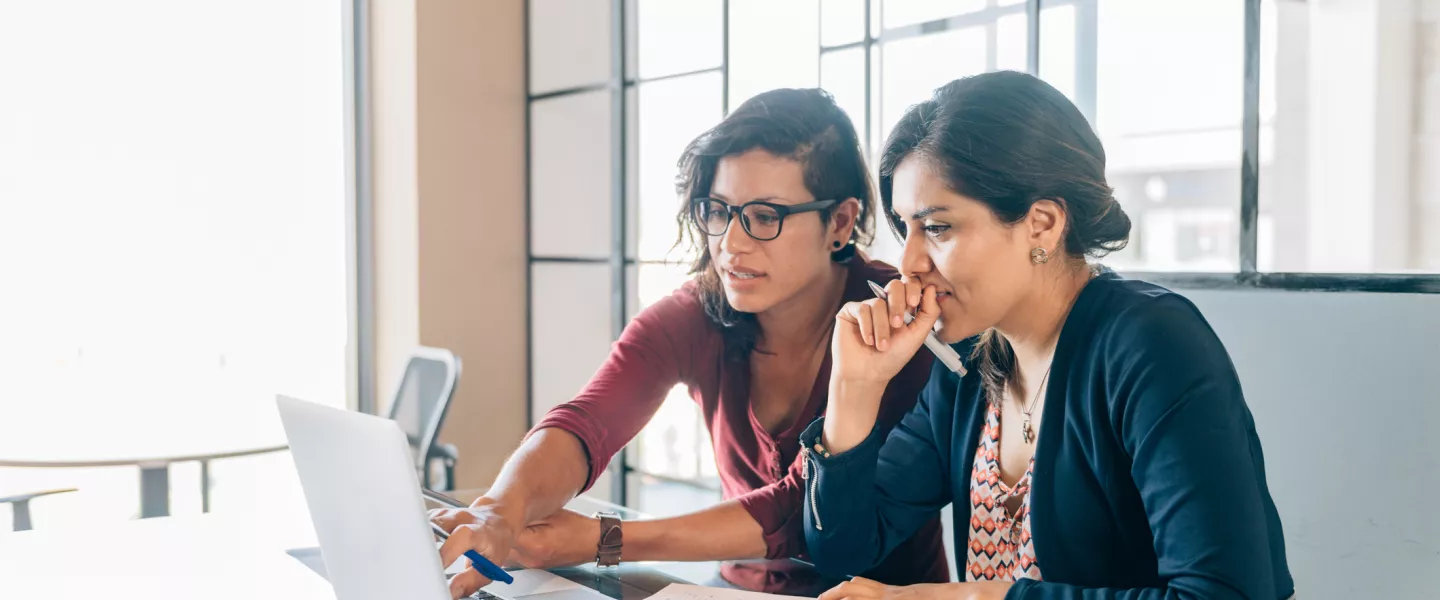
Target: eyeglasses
(761, 220)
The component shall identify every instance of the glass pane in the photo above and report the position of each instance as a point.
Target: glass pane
(1057, 48)
(675, 443)
(1350, 136)
(573, 339)
(569, 44)
(173, 245)
(676, 37)
(911, 72)
(899, 13)
(660, 498)
(658, 281)
(632, 172)
(1011, 50)
(672, 113)
(570, 176)
(877, 18)
(842, 73)
(651, 282)
(877, 131)
(1164, 80)
(887, 247)
(842, 21)
(773, 45)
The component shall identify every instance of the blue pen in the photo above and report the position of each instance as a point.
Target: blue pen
(489, 569)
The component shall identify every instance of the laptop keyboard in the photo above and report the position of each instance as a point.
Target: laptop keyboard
(484, 595)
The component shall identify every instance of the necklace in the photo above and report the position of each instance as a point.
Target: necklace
(1026, 431)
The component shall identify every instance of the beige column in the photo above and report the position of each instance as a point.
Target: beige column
(449, 178)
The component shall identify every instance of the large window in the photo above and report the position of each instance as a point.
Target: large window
(1254, 143)
(173, 239)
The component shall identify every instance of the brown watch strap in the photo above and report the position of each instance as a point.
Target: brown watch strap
(611, 540)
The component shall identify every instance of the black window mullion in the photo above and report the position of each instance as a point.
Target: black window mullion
(529, 256)
(724, 58)
(1250, 141)
(364, 208)
(869, 45)
(571, 91)
(618, 156)
(1032, 37)
(1087, 58)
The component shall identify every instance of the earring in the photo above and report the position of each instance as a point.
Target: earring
(1039, 256)
(835, 244)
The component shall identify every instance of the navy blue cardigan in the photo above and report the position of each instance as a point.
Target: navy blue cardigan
(1148, 481)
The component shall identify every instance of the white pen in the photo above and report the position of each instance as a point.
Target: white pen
(942, 351)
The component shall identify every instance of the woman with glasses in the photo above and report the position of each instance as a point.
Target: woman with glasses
(1100, 446)
(776, 199)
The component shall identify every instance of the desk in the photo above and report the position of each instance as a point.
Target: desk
(788, 577)
(218, 557)
(150, 435)
(209, 557)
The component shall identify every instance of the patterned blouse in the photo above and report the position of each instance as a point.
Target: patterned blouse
(1000, 546)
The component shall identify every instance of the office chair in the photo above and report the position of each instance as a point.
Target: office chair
(21, 507)
(419, 406)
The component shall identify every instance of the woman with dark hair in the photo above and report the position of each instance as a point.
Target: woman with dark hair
(1099, 447)
(776, 199)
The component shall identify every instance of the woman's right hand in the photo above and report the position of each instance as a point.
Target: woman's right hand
(481, 528)
(870, 346)
(872, 343)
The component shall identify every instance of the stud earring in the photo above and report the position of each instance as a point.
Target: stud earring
(1039, 256)
(836, 244)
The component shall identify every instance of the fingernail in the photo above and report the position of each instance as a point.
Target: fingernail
(883, 345)
(896, 321)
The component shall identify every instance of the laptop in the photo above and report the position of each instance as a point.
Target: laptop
(364, 499)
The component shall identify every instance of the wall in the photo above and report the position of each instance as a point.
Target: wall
(449, 114)
(1345, 389)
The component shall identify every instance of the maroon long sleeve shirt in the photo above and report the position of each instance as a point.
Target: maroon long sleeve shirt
(673, 342)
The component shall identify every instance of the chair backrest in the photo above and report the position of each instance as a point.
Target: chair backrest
(423, 397)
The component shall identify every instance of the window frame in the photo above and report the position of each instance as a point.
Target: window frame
(621, 82)
(360, 207)
(1248, 277)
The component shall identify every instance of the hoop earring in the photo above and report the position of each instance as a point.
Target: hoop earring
(1039, 256)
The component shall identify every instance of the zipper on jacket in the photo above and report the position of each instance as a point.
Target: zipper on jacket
(809, 457)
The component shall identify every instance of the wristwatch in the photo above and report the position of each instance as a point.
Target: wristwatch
(608, 552)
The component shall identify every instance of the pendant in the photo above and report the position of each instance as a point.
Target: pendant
(1026, 432)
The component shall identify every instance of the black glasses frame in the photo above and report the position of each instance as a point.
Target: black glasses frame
(781, 210)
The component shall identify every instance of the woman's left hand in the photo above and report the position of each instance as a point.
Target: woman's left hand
(860, 588)
(563, 539)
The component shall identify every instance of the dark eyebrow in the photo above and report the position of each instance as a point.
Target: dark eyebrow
(925, 212)
(721, 197)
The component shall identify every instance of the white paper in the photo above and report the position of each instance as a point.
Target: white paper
(530, 582)
(679, 591)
